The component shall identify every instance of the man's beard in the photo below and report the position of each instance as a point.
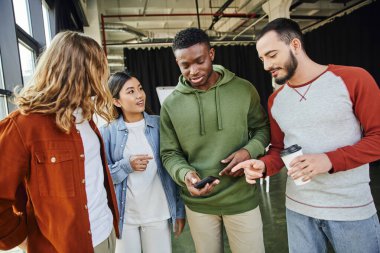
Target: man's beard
(290, 68)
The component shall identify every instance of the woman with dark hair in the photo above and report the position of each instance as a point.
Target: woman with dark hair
(147, 197)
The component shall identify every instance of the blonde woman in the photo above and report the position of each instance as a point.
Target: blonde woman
(55, 188)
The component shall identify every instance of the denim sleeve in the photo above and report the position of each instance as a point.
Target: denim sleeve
(180, 212)
(119, 169)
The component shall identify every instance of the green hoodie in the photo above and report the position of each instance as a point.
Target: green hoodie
(201, 128)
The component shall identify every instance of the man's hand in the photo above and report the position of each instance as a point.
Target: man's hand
(253, 169)
(191, 178)
(179, 225)
(235, 158)
(139, 162)
(307, 166)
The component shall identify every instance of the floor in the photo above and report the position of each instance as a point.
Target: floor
(272, 206)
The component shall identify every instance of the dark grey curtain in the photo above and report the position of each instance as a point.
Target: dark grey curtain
(152, 67)
(157, 67)
(349, 40)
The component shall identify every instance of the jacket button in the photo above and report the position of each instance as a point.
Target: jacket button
(83, 181)
(85, 206)
(53, 159)
(89, 232)
(81, 155)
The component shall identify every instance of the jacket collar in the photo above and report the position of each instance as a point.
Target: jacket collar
(148, 122)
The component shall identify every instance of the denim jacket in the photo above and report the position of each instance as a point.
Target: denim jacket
(115, 137)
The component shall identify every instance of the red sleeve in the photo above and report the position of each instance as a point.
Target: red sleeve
(272, 159)
(365, 97)
(12, 192)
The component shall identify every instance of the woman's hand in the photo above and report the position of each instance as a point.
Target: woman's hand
(139, 162)
(179, 225)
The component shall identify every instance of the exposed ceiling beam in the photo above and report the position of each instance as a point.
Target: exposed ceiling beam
(219, 13)
(196, 6)
(228, 24)
(337, 14)
(145, 5)
(226, 15)
(7, 93)
(125, 28)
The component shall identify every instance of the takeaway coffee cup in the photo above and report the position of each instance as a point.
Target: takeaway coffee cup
(287, 155)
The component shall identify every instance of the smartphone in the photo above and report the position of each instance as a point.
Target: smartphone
(204, 181)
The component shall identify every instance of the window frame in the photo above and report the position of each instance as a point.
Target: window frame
(29, 18)
(9, 45)
(3, 92)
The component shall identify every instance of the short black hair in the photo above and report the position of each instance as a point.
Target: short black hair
(286, 29)
(189, 37)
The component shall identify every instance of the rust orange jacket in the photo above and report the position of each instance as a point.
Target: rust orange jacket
(42, 186)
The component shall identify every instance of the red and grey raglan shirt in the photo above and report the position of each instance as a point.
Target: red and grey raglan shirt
(337, 113)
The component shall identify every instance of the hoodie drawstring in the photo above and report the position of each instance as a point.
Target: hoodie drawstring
(218, 109)
(201, 114)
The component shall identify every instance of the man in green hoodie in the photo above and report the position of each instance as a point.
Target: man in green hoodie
(212, 121)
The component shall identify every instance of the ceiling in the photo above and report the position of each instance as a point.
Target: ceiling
(153, 23)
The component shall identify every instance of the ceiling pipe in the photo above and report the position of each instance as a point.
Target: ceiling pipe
(219, 13)
(199, 22)
(213, 39)
(169, 44)
(145, 5)
(227, 15)
(253, 8)
(125, 28)
(248, 27)
(304, 17)
(236, 11)
(104, 41)
(295, 5)
(337, 14)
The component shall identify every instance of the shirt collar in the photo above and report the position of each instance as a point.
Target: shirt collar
(148, 122)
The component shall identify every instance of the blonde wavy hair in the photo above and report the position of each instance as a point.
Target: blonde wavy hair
(71, 73)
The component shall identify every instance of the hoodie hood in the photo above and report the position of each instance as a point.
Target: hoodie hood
(184, 87)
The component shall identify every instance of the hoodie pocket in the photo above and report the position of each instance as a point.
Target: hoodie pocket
(55, 173)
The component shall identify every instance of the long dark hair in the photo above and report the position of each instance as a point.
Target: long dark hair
(116, 83)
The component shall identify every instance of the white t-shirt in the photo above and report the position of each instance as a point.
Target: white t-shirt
(146, 199)
(101, 219)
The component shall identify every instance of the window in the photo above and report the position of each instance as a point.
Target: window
(3, 98)
(22, 15)
(45, 12)
(27, 57)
